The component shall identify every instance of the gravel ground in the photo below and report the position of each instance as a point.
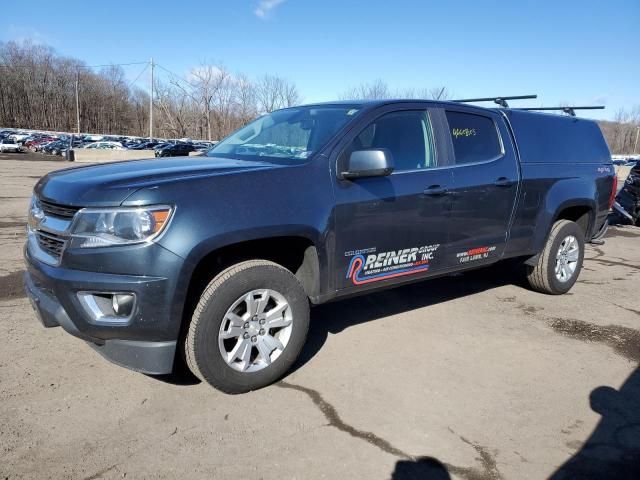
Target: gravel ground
(472, 377)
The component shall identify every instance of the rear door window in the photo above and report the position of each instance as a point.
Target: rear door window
(475, 137)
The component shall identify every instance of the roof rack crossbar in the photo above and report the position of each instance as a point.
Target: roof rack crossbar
(568, 110)
(502, 101)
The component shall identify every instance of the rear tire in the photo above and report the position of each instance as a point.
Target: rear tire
(223, 327)
(560, 261)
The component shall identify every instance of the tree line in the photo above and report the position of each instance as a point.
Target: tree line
(38, 91)
(623, 133)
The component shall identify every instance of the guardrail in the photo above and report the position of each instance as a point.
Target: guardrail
(89, 155)
(92, 155)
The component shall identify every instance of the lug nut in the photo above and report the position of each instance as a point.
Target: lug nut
(262, 321)
(254, 338)
(261, 331)
(255, 317)
(246, 335)
(246, 325)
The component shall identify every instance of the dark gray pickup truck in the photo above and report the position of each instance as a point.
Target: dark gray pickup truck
(217, 259)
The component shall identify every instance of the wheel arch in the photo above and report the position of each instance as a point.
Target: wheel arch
(581, 211)
(297, 253)
(567, 199)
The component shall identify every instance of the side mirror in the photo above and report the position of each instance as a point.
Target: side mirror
(369, 163)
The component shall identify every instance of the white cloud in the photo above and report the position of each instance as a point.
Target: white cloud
(265, 7)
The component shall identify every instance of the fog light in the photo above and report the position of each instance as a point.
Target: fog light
(108, 308)
(122, 304)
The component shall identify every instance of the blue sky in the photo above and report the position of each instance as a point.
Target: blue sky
(565, 51)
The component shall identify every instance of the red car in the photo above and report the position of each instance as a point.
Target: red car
(35, 144)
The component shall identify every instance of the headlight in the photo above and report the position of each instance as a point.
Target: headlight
(35, 213)
(103, 227)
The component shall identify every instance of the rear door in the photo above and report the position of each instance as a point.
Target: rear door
(485, 184)
(392, 228)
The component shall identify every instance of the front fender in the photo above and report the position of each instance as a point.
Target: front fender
(226, 239)
(213, 244)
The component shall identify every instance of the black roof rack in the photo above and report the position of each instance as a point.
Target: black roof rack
(502, 101)
(568, 110)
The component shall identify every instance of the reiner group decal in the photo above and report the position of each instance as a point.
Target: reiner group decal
(384, 265)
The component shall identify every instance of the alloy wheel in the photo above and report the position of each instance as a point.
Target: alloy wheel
(567, 258)
(255, 330)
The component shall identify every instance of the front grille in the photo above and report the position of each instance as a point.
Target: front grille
(51, 243)
(60, 211)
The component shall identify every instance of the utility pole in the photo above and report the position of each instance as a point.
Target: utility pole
(635, 148)
(77, 101)
(151, 106)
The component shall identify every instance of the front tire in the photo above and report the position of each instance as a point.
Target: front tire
(248, 328)
(560, 261)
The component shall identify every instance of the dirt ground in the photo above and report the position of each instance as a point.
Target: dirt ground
(472, 377)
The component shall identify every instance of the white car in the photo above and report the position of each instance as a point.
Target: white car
(8, 145)
(105, 146)
(94, 138)
(19, 137)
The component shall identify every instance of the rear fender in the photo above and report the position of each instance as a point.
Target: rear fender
(564, 194)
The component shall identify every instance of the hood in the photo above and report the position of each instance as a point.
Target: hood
(110, 184)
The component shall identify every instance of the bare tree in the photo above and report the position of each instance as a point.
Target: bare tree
(274, 92)
(439, 93)
(245, 98)
(368, 91)
(37, 90)
(622, 132)
(379, 89)
(210, 85)
(176, 109)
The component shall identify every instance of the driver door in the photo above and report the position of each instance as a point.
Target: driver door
(393, 228)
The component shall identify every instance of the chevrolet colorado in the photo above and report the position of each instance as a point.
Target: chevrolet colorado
(217, 259)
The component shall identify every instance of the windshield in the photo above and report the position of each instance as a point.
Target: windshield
(292, 134)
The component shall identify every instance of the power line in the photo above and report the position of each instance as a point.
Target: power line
(179, 77)
(139, 75)
(113, 65)
(4, 65)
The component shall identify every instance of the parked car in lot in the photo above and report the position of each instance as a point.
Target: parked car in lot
(174, 150)
(9, 145)
(221, 256)
(36, 142)
(28, 139)
(93, 138)
(39, 147)
(105, 146)
(145, 146)
(626, 209)
(19, 137)
(161, 145)
(202, 146)
(59, 147)
(625, 160)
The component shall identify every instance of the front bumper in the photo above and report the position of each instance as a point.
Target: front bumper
(147, 343)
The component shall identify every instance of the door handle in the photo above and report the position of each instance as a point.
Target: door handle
(436, 190)
(503, 182)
